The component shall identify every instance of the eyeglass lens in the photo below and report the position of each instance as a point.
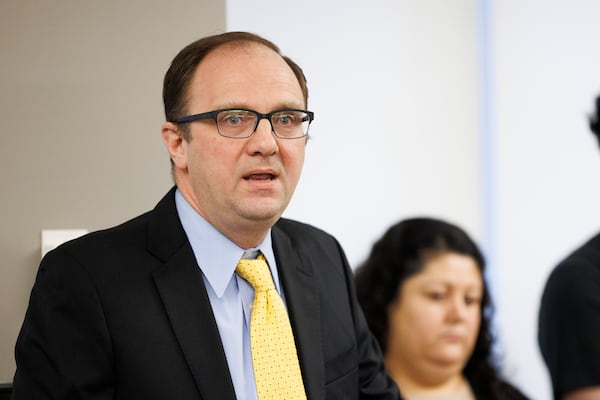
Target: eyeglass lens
(287, 124)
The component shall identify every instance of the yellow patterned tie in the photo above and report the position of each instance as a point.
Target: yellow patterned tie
(274, 357)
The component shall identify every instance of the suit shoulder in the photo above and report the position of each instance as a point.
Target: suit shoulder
(297, 229)
(133, 232)
(575, 279)
(308, 239)
(99, 250)
(584, 260)
(134, 228)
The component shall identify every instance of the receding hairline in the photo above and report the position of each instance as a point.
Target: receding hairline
(244, 44)
(247, 43)
(176, 83)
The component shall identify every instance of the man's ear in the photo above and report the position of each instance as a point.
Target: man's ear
(174, 143)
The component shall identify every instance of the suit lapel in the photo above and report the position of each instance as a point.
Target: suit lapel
(302, 298)
(181, 288)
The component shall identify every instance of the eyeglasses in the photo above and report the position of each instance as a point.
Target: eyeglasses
(239, 123)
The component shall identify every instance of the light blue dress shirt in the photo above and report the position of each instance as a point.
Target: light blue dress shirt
(230, 296)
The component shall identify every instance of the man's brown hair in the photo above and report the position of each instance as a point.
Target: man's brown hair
(179, 75)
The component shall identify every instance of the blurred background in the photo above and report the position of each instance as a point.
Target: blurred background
(470, 110)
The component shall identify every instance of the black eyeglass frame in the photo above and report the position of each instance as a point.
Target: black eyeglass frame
(259, 116)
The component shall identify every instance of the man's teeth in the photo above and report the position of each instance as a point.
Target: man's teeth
(260, 177)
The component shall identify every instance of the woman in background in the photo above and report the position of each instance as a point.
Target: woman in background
(426, 301)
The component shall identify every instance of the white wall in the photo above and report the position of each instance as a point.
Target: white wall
(547, 73)
(393, 88)
(477, 117)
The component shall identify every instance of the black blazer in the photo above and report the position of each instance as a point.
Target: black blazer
(123, 314)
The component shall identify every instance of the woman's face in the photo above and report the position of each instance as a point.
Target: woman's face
(435, 318)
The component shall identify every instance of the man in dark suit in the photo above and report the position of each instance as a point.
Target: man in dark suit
(153, 308)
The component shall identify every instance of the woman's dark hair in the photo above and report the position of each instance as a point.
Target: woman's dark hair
(402, 253)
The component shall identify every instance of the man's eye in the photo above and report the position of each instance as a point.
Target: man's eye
(233, 118)
(287, 118)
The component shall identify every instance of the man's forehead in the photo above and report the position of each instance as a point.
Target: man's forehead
(240, 47)
(238, 68)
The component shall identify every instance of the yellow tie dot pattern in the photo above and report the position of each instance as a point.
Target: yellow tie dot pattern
(274, 358)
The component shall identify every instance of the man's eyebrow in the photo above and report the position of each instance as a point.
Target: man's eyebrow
(279, 106)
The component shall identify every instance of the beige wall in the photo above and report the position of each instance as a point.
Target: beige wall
(80, 116)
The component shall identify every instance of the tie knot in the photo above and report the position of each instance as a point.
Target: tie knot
(256, 272)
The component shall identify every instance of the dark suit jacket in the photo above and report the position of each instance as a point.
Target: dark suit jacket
(123, 314)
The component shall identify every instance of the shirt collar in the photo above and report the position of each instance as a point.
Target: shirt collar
(216, 255)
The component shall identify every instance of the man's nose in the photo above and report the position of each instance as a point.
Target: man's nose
(263, 139)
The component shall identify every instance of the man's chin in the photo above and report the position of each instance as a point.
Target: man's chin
(264, 207)
(262, 213)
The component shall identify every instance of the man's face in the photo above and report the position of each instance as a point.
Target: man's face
(240, 185)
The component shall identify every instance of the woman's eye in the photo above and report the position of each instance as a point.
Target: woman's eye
(436, 295)
(472, 300)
